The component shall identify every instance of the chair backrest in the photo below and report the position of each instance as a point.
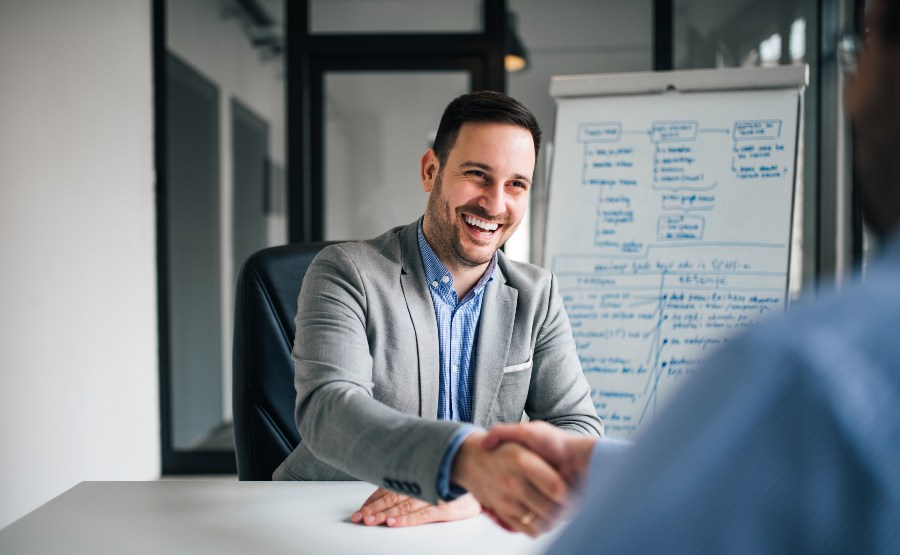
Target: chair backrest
(263, 394)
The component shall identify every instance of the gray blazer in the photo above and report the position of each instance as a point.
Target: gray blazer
(367, 369)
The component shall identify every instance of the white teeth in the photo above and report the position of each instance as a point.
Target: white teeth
(478, 223)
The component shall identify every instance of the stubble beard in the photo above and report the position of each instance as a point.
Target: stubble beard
(447, 241)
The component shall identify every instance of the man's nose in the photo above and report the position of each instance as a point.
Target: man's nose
(493, 199)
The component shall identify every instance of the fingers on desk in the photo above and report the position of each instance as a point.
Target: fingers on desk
(464, 507)
(384, 503)
(398, 510)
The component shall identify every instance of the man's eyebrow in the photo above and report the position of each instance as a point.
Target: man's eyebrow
(487, 168)
(479, 165)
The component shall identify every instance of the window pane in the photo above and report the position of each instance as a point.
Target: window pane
(709, 33)
(226, 199)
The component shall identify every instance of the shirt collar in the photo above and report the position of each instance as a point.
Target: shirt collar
(436, 271)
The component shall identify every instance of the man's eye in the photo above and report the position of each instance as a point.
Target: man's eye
(520, 185)
(476, 173)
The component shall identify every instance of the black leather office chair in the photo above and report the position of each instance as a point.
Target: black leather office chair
(263, 392)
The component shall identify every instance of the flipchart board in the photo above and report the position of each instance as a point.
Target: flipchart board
(669, 221)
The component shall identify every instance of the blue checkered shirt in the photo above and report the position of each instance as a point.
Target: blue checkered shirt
(457, 323)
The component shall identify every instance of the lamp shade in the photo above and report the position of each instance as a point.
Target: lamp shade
(515, 56)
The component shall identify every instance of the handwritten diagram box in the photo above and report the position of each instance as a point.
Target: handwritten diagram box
(669, 131)
(603, 132)
(680, 228)
(757, 129)
(688, 201)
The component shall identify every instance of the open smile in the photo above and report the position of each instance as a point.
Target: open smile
(481, 227)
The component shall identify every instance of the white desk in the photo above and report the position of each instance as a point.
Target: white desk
(239, 517)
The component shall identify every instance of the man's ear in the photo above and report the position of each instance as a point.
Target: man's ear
(429, 169)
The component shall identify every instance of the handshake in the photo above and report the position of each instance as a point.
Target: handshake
(523, 476)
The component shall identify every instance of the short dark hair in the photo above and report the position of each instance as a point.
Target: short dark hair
(482, 106)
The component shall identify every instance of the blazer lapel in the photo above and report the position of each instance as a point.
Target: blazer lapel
(421, 311)
(495, 330)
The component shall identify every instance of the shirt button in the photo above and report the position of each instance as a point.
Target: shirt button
(445, 279)
(434, 284)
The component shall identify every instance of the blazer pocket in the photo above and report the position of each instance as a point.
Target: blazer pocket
(519, 367)
(513, 394)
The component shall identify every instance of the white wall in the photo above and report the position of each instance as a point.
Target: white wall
(78, 347)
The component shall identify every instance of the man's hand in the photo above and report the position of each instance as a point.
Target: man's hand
(569, 454)
(396, 510)
(517, 488)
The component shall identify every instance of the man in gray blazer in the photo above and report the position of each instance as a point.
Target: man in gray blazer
(410, 344)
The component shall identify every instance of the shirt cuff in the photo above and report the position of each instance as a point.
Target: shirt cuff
(446, 490)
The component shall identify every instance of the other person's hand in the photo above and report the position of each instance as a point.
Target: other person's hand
(569, 454)
(517, 488)
(397, 510)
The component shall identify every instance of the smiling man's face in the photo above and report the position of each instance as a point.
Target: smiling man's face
(477, 199)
